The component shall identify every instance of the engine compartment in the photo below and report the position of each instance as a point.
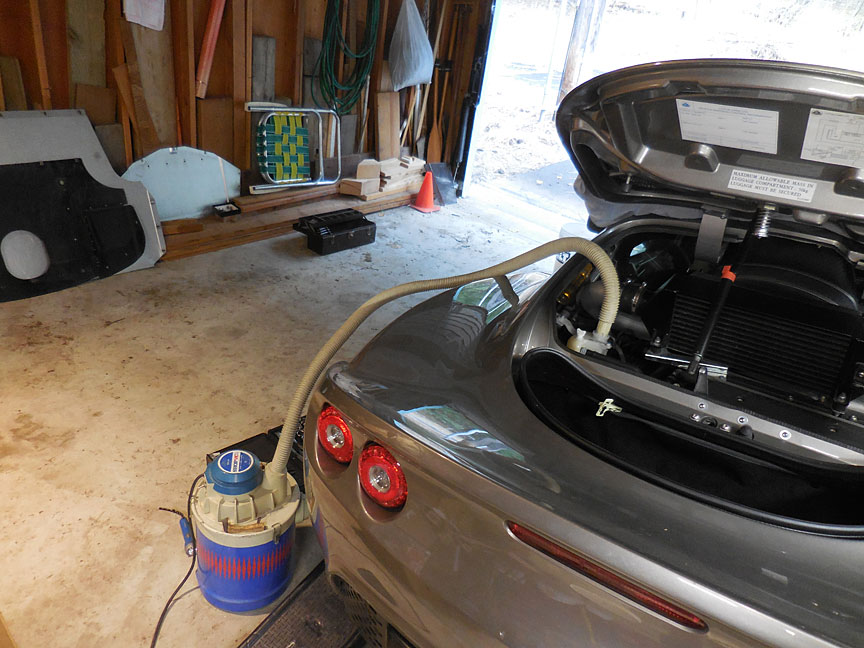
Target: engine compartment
(769, 424)
(790, 329)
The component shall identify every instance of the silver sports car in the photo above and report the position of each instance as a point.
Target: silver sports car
(485, 473)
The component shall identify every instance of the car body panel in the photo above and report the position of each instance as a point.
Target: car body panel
(438, 388)
(445, 570)
(808, 583)
(631, 119)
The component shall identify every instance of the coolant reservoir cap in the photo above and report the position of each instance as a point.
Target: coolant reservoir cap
(234, 472)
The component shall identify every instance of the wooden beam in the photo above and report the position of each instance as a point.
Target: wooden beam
(419, 130)
(114, 58)
(183, 43)
(297, 56)
(387, 110)
(377, 64)
(148, 136)
(208, 48)
(241, 82)
(39, 51)
(52, 15)
(219, 234)
(120, 74)
(248, 204)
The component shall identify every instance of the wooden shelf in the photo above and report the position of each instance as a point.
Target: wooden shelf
(218, 233)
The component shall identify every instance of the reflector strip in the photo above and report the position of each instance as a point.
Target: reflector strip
(606, 578)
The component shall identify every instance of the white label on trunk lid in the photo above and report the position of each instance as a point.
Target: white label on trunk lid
(750, 129)
(768, 184)
(834, 137)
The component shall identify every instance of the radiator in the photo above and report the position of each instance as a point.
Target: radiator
(790, 357)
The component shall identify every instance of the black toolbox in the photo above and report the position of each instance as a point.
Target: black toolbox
(336, 231)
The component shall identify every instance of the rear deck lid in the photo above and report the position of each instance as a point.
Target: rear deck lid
(729, 134)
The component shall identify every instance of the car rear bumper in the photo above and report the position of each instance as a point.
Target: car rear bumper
(445, 570)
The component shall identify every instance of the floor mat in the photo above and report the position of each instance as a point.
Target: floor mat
(312, 617)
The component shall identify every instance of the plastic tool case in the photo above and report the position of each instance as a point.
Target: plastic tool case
(336, 231)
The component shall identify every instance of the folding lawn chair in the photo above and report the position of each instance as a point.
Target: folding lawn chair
(282, 147)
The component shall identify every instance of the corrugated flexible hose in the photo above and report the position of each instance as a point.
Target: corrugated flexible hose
(593, 252)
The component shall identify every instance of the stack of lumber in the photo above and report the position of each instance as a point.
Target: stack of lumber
(377, 180)
(196, 236)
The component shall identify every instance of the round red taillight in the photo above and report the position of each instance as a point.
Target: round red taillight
(382, 477)
(334, 435)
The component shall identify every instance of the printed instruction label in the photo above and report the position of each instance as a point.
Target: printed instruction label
(772, 185)
(834, 137)
(750, 129)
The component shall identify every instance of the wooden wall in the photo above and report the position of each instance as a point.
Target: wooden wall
(63, 43)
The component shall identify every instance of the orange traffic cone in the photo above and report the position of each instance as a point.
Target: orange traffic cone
(425, 199)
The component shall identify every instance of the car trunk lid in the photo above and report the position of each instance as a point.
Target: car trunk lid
(686, 136)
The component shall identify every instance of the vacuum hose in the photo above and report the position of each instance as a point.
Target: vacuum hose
(593, 252)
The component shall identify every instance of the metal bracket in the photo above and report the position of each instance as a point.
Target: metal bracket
(717, 372)
(506, 289)
(709, 242)
(607, 405)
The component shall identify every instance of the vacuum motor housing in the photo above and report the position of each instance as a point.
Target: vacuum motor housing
(245, 532)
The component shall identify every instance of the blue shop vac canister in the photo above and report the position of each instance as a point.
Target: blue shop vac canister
(245, 532)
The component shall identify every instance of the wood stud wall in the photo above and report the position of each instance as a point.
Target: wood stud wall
(88, 42)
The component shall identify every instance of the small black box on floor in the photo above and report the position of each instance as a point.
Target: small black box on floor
(336, 231)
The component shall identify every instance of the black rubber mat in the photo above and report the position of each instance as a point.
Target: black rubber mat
(313, 616)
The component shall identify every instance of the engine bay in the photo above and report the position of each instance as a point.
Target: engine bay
(786, 344)
(748, 395)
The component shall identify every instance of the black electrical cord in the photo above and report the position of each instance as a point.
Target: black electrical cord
(341, 96)
(188, 517)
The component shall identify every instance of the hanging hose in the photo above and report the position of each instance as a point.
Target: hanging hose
(593, 252)
(337, 96)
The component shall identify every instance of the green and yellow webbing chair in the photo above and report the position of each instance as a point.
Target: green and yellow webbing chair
(282, 148)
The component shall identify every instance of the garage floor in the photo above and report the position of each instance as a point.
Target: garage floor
(113, 392)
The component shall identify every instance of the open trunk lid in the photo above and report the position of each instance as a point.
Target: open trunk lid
(720, 134)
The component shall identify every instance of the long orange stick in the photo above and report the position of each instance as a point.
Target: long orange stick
(208, 47)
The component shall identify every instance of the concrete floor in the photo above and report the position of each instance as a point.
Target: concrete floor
(113, 392)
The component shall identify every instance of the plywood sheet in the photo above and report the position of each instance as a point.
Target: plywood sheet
(214, 126)
(263, 68)
(85, 36)
(282, 19)
(155, 60)
(148, 138)
(100, 104)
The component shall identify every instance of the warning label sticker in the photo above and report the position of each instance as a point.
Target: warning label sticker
(750, 129)
(835, 138)
(772, 185)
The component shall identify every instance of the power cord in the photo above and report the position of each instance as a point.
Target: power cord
(187, 517)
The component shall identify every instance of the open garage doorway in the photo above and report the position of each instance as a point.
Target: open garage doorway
(516, 159)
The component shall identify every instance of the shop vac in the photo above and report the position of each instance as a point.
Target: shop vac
(244, 513)
(244, 520)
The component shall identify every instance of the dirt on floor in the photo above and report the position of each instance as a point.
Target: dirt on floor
(516, 133)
